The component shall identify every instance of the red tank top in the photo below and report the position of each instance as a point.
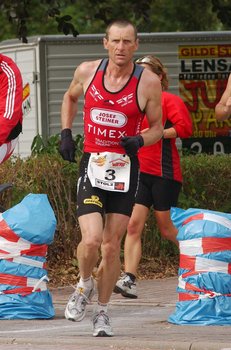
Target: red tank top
(108, 116)
(162, 158)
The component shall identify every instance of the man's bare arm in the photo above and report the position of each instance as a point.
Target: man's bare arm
(69, 111)
(70, 100)
(223, 108)
(153, 110)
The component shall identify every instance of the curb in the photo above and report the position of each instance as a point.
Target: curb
(111, 343)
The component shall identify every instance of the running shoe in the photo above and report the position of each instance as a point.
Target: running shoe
(126, 287)
(76, 306)
(101, 325)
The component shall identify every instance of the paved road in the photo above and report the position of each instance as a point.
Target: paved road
(139, 324)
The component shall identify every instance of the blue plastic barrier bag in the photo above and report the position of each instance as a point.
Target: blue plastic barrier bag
(25, 231)
(204, 283)
(32, 219)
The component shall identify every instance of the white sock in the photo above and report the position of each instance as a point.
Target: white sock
(85, 282)
(101, 307)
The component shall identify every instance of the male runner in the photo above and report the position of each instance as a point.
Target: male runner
(117, 94)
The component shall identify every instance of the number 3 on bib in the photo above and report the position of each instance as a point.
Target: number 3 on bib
(109, 171)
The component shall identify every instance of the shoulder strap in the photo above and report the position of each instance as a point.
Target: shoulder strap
(103, 64)
(138, 71)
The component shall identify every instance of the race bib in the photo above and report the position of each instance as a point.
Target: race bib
(109, 171)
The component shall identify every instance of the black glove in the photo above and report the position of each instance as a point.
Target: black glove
(17, 129)
(67, 145)
(131, 144)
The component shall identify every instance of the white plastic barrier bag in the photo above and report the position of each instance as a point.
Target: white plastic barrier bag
(25, 232)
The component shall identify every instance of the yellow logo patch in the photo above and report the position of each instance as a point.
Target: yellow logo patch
(93, 200)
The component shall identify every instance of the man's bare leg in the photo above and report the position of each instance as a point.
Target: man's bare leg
(91, 226)
(109, 270)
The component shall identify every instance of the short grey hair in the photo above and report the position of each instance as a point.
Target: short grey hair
(120, 23)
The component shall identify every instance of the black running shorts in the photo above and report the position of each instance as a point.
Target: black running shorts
(158, 192)
(93, 199)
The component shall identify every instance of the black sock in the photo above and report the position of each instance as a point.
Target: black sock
(133, 277)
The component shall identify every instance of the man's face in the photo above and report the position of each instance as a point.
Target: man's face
(121, 44)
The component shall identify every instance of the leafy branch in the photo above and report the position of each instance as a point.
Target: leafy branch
(19, 13)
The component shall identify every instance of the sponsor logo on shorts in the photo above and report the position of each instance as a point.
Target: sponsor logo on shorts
(93, 200)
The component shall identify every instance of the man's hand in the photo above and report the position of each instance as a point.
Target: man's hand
(67, 145)
(131, 144)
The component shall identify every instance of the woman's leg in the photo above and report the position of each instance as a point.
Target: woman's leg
(132, 245)
(165, 225)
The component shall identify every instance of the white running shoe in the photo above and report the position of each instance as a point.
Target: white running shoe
(76, 306)
(126, 287)
(101, 325)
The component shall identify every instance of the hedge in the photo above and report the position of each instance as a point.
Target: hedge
(207, 185)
